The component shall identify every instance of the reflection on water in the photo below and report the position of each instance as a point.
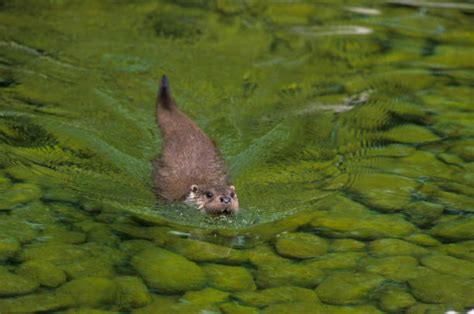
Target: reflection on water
(347, 128)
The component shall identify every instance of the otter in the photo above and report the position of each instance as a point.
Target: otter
(189, 167)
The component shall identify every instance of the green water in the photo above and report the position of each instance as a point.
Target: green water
(347, 126)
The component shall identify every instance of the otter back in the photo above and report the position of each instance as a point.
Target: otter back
(188, 156)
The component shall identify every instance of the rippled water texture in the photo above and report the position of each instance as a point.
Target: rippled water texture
(347, 126)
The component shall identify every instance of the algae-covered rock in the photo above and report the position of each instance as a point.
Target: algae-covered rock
(205, 296)
(300, 245)
(397, 268)
(61, 235)
(340, 260)
(132, 292)
(44, 272)
(171, 304)
(8, 247)
(442, 288)
(410, 134)
(35, 303)
(90, 291)
(348, 288)
(99, 266)
(458, 229)
(394, 247)
(422, 308)
(449, 265)
(284, 294)
(347, 245)
(284, 274)
(295, 307)
(352, 309)
(200, 251)
(422, 213)
(384, 191)
(132, 247)
(11, 284)
(464, 249)
(235, 308)
(395, 300)
(53, 252)
(167, 271)
(464, 149)
(229, 278)
(422, 239)
(349, 219)
(19, 194)
(10, 227)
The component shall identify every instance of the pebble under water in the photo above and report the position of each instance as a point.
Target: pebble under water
(347, 126)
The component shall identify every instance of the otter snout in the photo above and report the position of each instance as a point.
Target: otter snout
(226, 199)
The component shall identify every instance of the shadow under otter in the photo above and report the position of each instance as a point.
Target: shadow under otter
(189, 168)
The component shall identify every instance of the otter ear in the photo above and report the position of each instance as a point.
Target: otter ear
(232, 188)
(194, 188)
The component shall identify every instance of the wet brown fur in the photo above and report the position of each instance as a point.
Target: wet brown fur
(188, 158)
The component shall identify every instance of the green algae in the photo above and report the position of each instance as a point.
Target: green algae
(229, 278)
(283, 294)
(300, 245)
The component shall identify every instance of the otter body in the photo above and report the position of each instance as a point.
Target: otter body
(189, 168)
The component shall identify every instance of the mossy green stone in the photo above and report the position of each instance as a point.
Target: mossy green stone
(395, 247)
(395, 300)
(235, 308)
(352, 220)
(205, 296)
(12, 284)
(132, 292)
(397, 268)
(340, 260)
(346, 288)
(385, 191)
(168, 272)
(463, 249)
(90, 291)
(442, 288)
(132, 247)
(229, 278)
(458, 229)
(352, 309)
(464, 149)
(8, 247)
(99, 266)
(44, 272)
(284, 294)
(200, 251)
(11, 227)
(53, 252)
(346, 245)
(422, 213)
(422, 308)
(61, 235)
(300, 245)
(283, 274)
(410, 134)
(449, 265)
(19, 194)
(160, 304)
(422, 239)
(33, 303)
(295, 307)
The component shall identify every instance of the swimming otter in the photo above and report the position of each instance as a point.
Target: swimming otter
(189, 168)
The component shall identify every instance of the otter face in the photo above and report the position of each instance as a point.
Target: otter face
(216, 199)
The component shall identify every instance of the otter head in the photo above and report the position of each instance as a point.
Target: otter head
(214, 199)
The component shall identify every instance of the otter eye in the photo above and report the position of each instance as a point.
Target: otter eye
(232, 194)
(209, 194)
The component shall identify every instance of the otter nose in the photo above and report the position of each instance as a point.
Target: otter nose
(226, 200)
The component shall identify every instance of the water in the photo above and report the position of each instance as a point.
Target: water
(347, 128)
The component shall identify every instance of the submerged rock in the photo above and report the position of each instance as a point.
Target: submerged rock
(8, 247)
(89, 291)
(449, 265)
(346, 218)
(235, 308)
(282, 294)
(229, 278)
(43, 272)
(348, 288)
(168, 272)
(295, 307)
(422, 213)
(341, 260)
(347, 245)
(35, 303)
(458, 229)
(300, 245)
(20, 193)
(11, 284)
(441, 288)
(205, 296)
(410, 134)
(200, 251)
(397, 268)
(132, 292)
(288, 274)
(394, 247)
(396, 300)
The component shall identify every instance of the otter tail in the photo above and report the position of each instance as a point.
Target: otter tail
(164, 99)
